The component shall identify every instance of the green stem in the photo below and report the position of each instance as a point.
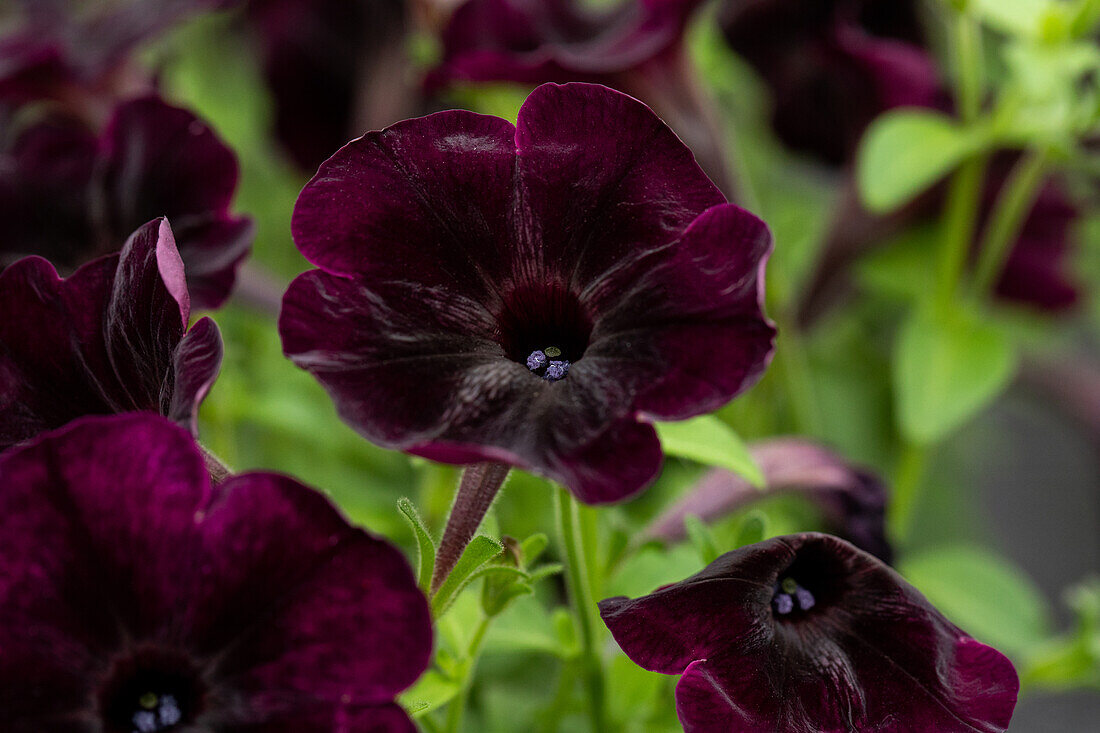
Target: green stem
(960, 220)
(1011, 209)
(580, 593)
(969, 65)
(907, 482)
(457, 707)
(798, 376)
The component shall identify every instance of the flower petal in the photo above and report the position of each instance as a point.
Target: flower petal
(605, 182)
(335, 615)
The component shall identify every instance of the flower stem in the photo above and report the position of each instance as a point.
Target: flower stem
(1012, 207)
(960, 220)
(457, 707)
(580, 593)
(907, 483)
(478, 487)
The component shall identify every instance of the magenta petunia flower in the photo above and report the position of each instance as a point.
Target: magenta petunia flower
(72, 51)
(530, 295)
(71, 196)
(326, 63)
(852, 500)
(111, 338)
(833, 65)
(136, 597)
(807, 634)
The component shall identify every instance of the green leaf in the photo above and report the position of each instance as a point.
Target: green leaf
(481, 550)
(425, 547)
(1024, 18)
(532, 547)
(432, 690)
(946, 369)
(708, 440)
(701, 538)
(753, 528)
(982, 593)
(905, 151)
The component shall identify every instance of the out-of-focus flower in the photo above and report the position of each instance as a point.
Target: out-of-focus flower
(635, 46)
(806, 633)
(1037, 272)
(76, 52)
(530, 295)
(111, 338)
(335, 67)
(833, 65)
(70, 195)
(137, 597)
(852, 501)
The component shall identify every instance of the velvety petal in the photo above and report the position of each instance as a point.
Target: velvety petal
(605, 183)
(96, 543)
(45, 177)
(141, 551)
(869, 654)
(108, 339)
(433, 195)
(196, 362)
(537, 41)
(332, 719)
(164, 161)
(690, 317)
(272, 610)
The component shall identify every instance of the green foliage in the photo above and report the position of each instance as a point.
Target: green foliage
(1072, 660)
(983, 594)
(709, 440)
(701, 538)
(905, 151)
(425, 546)
(947, 367)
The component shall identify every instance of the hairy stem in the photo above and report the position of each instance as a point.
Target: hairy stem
(478, 487)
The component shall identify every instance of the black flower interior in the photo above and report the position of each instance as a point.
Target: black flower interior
(540, 317)
(151, 690)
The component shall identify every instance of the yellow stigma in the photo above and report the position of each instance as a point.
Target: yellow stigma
(149, 700)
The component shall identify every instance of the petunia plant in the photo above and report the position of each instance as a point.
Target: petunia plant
(737, 373)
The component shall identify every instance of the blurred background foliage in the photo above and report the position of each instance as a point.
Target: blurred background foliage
(836, 382)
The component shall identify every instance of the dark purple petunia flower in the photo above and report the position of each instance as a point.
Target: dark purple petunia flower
(852, 500)
(1037, 272)
(327, 63)
(635, 46)
(455, 248)
(807, 634)
(71, 196)
(75, 52)
(833, 65)
(536, 41)
(111, 338)
(135, 596)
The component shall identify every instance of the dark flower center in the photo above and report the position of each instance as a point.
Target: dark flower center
(789, 596)
(151, 690)
(545, 328)
(545, 363)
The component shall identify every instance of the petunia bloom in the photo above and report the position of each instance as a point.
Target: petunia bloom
(634, 46)
(334, 67)
(111, 338)
(454, 248)
(75, 52)
(833, 65)
(852, 500)
(807, 634)
(135, 596)
(71, 195)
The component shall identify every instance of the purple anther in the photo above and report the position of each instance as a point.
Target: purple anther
(805, 599)
(536, 360)
(556, 370)
(783, 603)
